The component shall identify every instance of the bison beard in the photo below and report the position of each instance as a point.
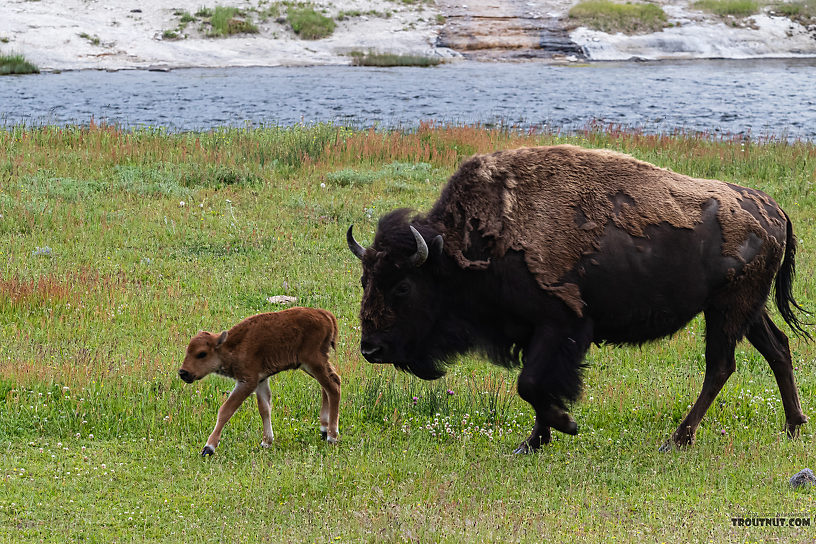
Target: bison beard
(531, 255)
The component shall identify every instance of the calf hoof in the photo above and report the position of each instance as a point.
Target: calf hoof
(207, 451)
(332, 439)
(265, 444)
(324, 435)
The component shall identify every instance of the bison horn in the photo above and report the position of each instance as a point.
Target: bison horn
(421, 255)
(354, 245)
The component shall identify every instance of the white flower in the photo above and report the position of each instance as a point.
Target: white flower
(181, 204)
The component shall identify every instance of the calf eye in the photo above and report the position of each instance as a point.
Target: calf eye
(201, 355)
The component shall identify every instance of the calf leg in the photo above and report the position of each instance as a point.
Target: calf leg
(264, 395)
(720, 365)
(773, 345)
(324, 414)
(321, 369)
(551, 375)
(239, 395)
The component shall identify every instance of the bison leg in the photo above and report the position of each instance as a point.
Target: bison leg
(720, 365)
(264, 396)
(237, 397)
(773, 345)
(551, 375)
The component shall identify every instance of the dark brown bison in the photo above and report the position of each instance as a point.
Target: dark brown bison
(531, 255)
(259, 347)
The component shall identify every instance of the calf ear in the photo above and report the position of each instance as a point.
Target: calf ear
(221, 339)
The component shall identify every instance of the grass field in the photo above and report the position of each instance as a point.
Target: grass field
(116, 247)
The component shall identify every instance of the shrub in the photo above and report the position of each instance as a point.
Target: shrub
(16, 64)
(611, 17)
(309, 24)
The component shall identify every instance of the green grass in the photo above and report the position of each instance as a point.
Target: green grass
(227, 21)
(308, 23)
(803, 12)
(736, 8)
(391, 59)
(612, 17)
(116, 247)
(93, 40)
(16, 64)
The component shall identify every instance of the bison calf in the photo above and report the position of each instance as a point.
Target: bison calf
(263, 345)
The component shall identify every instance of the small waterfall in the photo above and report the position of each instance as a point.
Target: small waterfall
(769, 37)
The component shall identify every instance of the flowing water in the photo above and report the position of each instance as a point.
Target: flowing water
(756, 98)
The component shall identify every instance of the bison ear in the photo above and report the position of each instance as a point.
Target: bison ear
(221, 339)
(436, 245)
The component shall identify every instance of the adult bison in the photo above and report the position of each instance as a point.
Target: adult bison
(531, 255)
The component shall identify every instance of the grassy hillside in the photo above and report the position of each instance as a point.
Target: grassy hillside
(116, 247)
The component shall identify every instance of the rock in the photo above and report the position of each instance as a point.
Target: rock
(804, 478)
(281, 299)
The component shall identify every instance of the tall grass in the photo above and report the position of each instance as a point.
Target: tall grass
(117, 246)
(612, 17)
(226, 21)
(309, 24)
(391, 59)
(736, 8)
(16, 64)
(804, 12)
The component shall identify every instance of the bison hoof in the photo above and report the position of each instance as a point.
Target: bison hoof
(207, 451)
(524, 449)
(671, 445)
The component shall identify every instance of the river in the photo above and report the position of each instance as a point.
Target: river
(751, 98)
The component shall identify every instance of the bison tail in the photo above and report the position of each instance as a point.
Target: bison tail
(783, 286)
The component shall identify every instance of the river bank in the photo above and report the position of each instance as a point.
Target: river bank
(145, 34)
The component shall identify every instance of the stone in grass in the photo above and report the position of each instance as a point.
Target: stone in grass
(281, 299)
(804, 478)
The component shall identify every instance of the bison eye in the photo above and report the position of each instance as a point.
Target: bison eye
(402, 289)
(201, 355)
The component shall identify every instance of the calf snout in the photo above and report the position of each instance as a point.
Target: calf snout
(186, 376)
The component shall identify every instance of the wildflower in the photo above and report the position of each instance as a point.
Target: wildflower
(42, 251)
(450, 391)
(181, 204)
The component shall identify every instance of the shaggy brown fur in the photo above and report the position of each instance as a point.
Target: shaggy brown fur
(532, 199)
(263, 345)
(531, 255)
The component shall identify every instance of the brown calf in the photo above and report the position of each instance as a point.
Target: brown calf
(263, 345)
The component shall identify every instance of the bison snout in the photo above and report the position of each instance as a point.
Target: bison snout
(371, 351)
(186, 376)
